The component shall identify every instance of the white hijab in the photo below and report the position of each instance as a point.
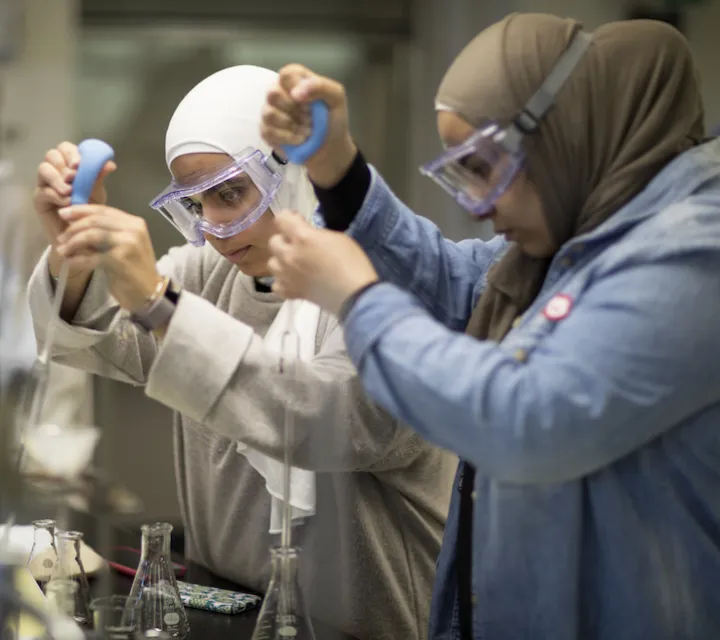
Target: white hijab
(222, 115)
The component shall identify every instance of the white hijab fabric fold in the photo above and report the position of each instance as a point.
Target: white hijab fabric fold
(222, 115)
(301, 318)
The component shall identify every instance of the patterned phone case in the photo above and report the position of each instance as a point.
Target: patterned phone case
(197, 596)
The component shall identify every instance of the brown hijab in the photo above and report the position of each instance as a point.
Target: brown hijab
(630, 106)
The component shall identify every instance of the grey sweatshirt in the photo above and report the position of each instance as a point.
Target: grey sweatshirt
(368, 555)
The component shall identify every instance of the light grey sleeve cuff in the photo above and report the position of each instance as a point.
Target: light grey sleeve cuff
(198, 357)
(67, 336)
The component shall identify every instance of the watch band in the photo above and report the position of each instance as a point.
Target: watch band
(159, 308)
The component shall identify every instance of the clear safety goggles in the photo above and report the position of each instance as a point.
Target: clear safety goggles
(224, 202)
(479, 170)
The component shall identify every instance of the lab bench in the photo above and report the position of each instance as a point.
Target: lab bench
(204, 625)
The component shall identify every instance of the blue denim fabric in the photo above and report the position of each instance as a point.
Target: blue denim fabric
(596, 436)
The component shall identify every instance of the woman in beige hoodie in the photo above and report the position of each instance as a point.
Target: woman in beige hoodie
(202, 332)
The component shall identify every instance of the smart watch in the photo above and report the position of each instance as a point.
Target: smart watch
(159, 308)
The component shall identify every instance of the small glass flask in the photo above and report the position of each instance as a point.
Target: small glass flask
(43, 554)
(283, 615)
(70, 567)
(155, 585)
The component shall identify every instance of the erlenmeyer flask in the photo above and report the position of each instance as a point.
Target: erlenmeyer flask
(70, 567)
(155, 585)
(283, 615)
(61, 596)
(43, 554)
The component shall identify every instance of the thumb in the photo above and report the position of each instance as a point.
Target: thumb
(109, 168)
(99, 194)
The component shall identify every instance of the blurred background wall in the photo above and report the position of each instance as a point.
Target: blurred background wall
(38, 110)
(117, 69)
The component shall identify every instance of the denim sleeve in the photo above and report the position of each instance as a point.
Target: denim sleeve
(409, 251)
(636, 356)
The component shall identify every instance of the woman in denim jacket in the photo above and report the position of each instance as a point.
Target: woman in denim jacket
(584, 397)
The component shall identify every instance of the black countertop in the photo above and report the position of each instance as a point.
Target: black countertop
(203, 624)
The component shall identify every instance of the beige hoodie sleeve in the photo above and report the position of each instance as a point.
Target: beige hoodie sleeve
(101, 338)
(215, 370)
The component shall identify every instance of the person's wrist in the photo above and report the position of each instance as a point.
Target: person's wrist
(354, 296)
(55, 266)
(326, 171)
(155, 316)
(149, 293)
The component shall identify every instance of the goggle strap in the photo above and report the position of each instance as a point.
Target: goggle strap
(536, 108)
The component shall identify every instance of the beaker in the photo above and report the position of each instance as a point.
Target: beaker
(43, 554)
(116, 617)
(70, 567)
(155, 586)
(283, 615)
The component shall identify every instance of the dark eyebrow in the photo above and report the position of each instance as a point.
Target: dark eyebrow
(242, 178)
(189, 178)
(198, 173)
(241, 183)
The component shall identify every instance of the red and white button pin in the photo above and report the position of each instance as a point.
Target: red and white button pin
(558, 307)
